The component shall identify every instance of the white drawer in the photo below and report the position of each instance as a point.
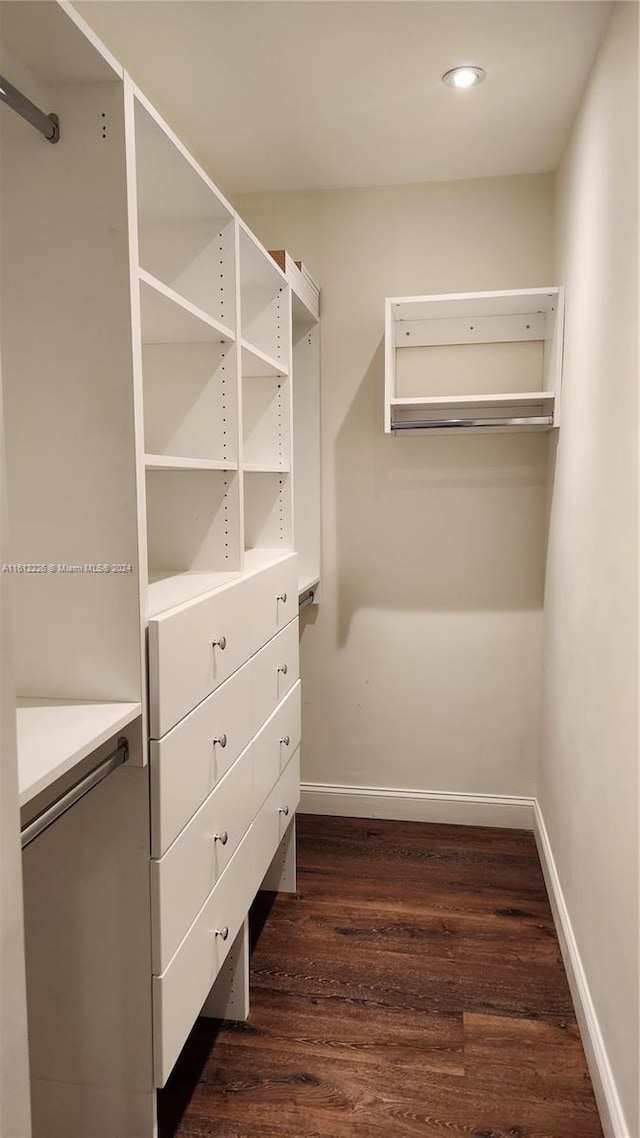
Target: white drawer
(194, 648)
(272, 611)
(274, 671)
(187, 763)
(274, 745)
(285, 798)
(182, 880)
(178, 995)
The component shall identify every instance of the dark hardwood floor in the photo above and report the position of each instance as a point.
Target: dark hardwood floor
(413, 986)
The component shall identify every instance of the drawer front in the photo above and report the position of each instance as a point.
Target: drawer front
(275, 744)
(178, 995)
(274, 671)
(193, 649)
(182, 880)
(271, 586)
(190, 760)
(285, 798)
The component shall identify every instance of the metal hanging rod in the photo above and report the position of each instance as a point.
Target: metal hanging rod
(48, 125)
(308, 599)
(435, 424)
(42, 821)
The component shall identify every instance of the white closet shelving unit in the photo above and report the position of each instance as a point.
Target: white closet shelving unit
(305, 324)
(149, 409)
(480, 362)
(66, 356)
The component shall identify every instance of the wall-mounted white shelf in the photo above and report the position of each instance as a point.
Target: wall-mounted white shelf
(55, 735)
(466, 362)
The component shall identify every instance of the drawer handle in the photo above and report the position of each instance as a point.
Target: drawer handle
(286, 740)
(221, 643)
(224, 933)
(284, 810)
(282, 597)
(223, 838)
(283, 669)
(222, 740)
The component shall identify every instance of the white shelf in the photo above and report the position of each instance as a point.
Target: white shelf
(305, 583)
(511, 399)
(166, 589)
(55, 735)
(255, 559)
(453, 305)
(256, 364)
(168, 318)
(264, 468)
(170, 462)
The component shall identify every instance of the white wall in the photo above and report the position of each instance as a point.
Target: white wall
(422, 669)
(588, 789)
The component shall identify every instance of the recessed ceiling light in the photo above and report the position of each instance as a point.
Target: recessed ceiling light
(467, 76)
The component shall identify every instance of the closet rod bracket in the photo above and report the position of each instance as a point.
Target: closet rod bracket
(48, 125)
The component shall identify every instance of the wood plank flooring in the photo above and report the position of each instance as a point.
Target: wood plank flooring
(412, 988)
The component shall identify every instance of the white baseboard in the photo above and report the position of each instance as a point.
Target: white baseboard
(604, 1087)
(417, 805)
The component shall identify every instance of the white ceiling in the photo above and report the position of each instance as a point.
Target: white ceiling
(305, 94)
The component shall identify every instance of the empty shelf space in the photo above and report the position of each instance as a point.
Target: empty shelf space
(54, 735)
(166, 590)
(256, 363)
(171, 184)
(169, 318)
(170, 462)
(256, 559)
(267, 510)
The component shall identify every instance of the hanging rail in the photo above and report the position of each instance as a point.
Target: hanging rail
(435, 424)
(42, 821)
(48, 125)
(307, 599)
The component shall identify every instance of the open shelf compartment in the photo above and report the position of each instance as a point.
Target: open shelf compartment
(186, 229)
(485, 361)
(193, 532)
(264, 302)
(267, 510)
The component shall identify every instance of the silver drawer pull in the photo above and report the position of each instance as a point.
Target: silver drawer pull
(220, 643)
(284, 810)
(224, 933)
(223, 838)
(283, 669)
(282, 597)
(286, 740)
(222, 740)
